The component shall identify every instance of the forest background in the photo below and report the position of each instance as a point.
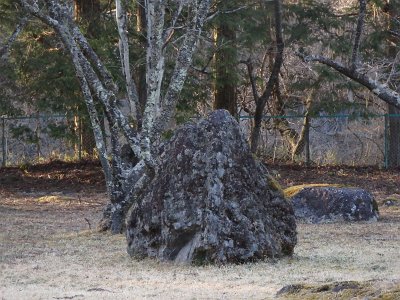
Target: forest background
(233, 68)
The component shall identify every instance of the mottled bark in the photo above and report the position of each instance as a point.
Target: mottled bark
(141, 25)
(122, 23)
(183, 62)
(382, 90)
(126, 176)
(58, 21)
(155, 67)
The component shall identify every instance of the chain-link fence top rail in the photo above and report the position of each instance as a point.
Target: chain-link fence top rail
(332, 139)
(32, 139)
(372, 140)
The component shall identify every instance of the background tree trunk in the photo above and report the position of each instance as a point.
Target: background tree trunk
(88, 12)
(273, 78)
(393, 11)
(87, 9)
(225, 69)
(393, 138)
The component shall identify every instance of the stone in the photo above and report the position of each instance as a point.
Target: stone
(210, 201)
(329, 204)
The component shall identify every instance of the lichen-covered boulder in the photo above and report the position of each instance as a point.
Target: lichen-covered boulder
(329, 204)
(210, 201)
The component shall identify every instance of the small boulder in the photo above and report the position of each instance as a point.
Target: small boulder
(210, 201)
(329, 204)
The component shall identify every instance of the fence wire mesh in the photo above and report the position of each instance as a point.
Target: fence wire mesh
(372, 140)
(34, 139)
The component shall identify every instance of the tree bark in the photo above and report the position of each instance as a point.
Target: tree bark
(382, 90)
(225, 70)
(122, 23)
(141, 25)
(274, 77)
(357, 36)
(127, 176)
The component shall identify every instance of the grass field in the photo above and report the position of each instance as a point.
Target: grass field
(50, 249)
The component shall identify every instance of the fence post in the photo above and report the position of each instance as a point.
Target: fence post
(80, 139)
(4, 142)
(307, 141)
(386, 146)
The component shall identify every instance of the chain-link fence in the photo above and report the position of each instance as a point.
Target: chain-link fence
(372, 140)
(33, 139)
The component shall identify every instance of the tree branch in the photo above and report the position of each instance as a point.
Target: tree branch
(383, 91)
(231, 11)
(183, 62)
(249, 65)
(394, 33)
(155, 67)
(4, 51)
(131, 89)
(74, 51)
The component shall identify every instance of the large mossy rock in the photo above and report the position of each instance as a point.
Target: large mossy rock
(318, 204)
(210, 201)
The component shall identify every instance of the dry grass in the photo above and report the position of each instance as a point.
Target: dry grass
(293, 190)
(49, 250)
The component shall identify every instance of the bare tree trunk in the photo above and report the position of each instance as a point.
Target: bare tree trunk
(122, 23)
(141, 25)
(126, 178)
(301, 139)
(274, 77)
(393, 137)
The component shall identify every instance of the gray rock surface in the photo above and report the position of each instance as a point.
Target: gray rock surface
(328, 204)
(210, 201)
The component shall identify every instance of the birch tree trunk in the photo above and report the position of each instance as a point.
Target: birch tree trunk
(128, 175)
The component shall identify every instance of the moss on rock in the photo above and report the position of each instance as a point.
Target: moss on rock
(341, 291)
(293, 190)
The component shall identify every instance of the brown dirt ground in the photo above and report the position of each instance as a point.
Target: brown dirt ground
(50, 249)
